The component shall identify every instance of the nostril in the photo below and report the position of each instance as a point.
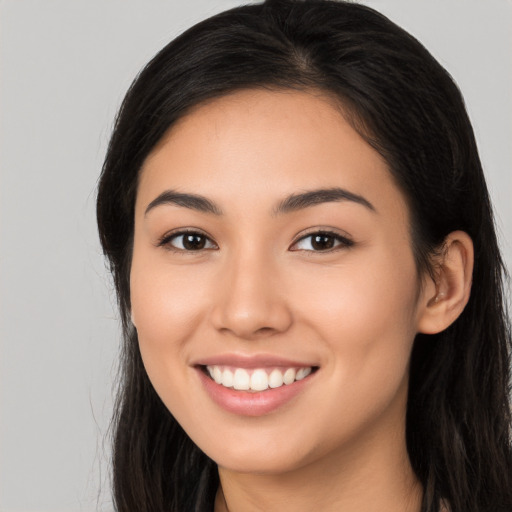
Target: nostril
(264, 330)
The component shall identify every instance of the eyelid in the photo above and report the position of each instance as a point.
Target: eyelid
(164, 241)
(344, 239)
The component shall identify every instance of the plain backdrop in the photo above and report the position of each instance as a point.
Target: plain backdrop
(64, 67)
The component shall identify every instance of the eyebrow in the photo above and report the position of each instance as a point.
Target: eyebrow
(296, 202)
(290, 204)
(192, 201)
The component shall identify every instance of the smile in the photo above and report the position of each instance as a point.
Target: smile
(258, 379)
(254, 386)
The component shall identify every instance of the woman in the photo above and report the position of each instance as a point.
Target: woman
(310, 286)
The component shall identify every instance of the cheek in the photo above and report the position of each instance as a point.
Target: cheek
(165, 298)
(363, 292)
(365, 315)
(167, 306)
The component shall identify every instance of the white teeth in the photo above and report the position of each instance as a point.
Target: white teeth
(217, 374)
(227, 378)
(275, 379)
(257, 379)
(289, 376)
(302, 373)
(241, 380)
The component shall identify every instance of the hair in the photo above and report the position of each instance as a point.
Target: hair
(408, 108)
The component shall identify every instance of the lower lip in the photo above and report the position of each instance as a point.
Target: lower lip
(250, 403)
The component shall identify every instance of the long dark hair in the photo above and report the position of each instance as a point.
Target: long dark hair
(408, 108)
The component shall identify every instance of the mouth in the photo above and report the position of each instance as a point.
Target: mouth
(254, 385)
(256, 380)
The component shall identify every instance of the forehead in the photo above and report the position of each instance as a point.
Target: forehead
(257, 144)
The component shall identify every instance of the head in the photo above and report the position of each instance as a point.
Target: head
(408, 115)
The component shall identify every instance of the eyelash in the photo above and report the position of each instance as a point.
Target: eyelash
(343, 242)
(165, 241)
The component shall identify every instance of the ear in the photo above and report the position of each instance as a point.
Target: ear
(444, 298)
(133, 319)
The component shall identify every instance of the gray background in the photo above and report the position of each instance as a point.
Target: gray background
(65, 65)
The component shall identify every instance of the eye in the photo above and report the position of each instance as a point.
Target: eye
(322, 241)
(187, 241)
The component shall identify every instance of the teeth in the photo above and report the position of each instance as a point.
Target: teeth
(217, 374)
(227, 378)
(302, 373)
(241, 380)
(256, 380)
(289, 376)
(259, 380)
(275, 379)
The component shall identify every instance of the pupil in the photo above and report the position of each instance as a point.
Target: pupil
(193, 242)
(323, 242)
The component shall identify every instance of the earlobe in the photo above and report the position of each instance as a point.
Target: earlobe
(445, 301)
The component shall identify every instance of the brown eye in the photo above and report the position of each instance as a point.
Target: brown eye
(322, 242)
(187, 241)
(193, 242)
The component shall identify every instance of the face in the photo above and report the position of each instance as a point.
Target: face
(273, 284)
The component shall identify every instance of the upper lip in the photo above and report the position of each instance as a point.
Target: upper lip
(251, 361)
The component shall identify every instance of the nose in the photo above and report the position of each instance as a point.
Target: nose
(251, 303)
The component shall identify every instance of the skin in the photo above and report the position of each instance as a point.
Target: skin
(259, 287)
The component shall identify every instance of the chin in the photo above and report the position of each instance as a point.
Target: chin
(261, 454)
(262, 464)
